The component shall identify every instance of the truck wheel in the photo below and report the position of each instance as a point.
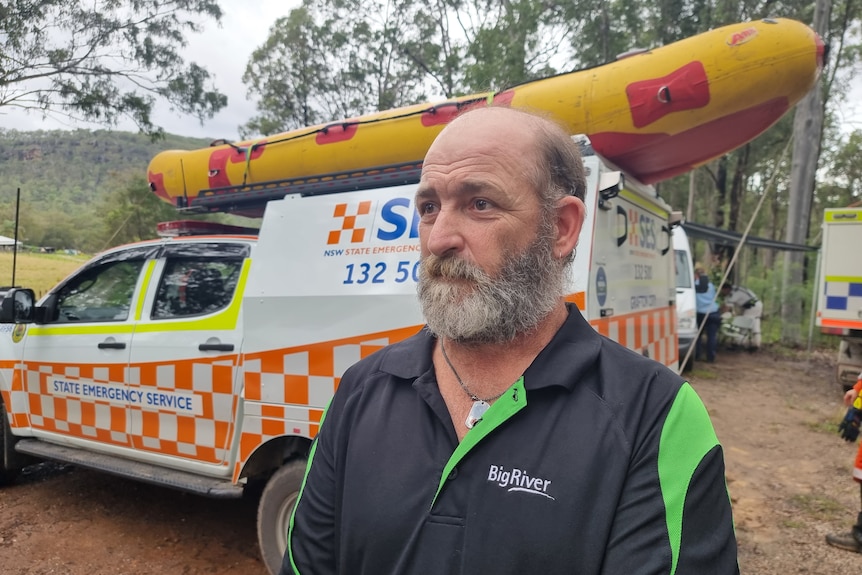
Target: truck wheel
(7, 475)
(274, 511)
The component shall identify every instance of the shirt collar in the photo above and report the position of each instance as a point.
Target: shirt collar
(571, 353)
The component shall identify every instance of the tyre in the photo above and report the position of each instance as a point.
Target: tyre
(274, 511)
(7, 475)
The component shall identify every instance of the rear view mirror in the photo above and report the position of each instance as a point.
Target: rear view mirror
(17, 306)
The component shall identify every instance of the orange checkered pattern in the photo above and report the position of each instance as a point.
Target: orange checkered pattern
(15, 398)
(650, 333)
(348, 223)
(102, 421)
(282, 384)
(202, 437)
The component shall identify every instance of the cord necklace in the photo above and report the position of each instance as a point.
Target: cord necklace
(480, 406)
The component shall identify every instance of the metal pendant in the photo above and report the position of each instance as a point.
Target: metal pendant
(476, 412)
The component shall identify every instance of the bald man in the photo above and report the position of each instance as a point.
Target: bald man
(508, 436)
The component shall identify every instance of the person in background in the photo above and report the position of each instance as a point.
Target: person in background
(508, 436)
(742, 301)
(849, 429)
(708, 312)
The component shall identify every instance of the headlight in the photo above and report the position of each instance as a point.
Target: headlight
(687, 320)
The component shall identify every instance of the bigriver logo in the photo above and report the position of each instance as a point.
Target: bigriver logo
(518, 480)
(373, 221)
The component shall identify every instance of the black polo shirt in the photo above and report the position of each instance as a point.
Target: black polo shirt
(597, 460)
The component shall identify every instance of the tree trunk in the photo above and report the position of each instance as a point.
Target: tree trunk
(770, 257)
(807, 134)
(722, 254)
(737, 187)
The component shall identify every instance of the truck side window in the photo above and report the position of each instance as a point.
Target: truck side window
(195, 287)
(100, 293)
(684, 274)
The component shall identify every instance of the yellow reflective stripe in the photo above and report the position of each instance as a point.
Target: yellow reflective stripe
(843, 215)
(223, 320)
(145, 284)
(644, 203)
(73, 329)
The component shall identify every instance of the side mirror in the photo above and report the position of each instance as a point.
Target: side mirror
(18, 306)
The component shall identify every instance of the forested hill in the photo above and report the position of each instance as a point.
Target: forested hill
(62, 169)
(68, 179)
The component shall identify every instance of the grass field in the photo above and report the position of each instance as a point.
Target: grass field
(39, 272)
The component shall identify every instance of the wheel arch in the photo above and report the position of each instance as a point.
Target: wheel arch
(270, 456)
(12, 462)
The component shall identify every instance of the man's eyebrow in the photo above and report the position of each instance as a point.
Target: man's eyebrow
(474, 186)
(463, 188)
(425, 192)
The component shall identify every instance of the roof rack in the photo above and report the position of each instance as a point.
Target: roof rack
(199, 228)
(251, 199)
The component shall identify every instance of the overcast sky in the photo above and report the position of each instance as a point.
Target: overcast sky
(223, 50)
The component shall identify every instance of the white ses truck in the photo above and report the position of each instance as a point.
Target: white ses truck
(839, 302)
(204, 362)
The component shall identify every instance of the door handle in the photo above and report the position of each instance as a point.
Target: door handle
(112, 345)
(216, 347)
(621, 239)
(666, 231)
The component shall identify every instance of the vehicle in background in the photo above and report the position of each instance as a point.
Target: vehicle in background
(839, 282)
(686, 299)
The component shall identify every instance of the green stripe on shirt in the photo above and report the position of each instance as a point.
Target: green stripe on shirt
(687, 436)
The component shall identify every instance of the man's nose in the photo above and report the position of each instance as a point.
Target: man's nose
(444, 234)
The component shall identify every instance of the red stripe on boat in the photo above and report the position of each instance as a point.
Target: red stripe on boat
(654, 157)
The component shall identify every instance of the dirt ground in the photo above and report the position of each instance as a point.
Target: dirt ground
(776, 415)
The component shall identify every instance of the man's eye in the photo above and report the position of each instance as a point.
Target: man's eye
(481, 205)
(427, 208)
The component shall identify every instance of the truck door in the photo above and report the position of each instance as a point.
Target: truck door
(76, 360)
(185, 353)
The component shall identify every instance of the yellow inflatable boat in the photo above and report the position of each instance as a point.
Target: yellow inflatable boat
(654, 114)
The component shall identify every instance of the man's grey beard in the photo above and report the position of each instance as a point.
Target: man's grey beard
(476, 308)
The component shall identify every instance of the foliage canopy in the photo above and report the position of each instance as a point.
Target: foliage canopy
(106, 59)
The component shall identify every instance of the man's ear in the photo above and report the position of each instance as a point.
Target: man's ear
(570, 218)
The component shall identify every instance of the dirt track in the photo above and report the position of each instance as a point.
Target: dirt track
(788, 474)
(63, 520)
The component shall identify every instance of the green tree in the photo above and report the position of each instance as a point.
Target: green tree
(841, 181)
(106, 59)
(511, 42)
(132, 212)
(432, 44)
(333, 59)
(286, 74)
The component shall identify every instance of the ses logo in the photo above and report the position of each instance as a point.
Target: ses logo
(361, 223)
